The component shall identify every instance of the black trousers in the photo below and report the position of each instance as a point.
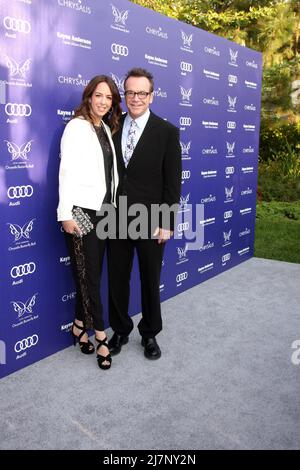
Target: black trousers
(86, 255)
(120, 260)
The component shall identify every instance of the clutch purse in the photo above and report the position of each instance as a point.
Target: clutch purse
(83, 220)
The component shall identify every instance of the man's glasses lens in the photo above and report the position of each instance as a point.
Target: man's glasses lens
(140, 94)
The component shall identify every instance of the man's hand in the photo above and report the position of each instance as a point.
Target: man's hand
(162, 234)
(70, 226)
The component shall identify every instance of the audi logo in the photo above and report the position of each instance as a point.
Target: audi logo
(232, 78)
(16, 24)
(181, 277)
(185, 121)
(228, 214)
(186, 66)
(186, 174)
(229, 170)
(226, 257)
(18, 109)
(17, 192)
(23, 270)
(119, 49)
(26, 343)
(231, 125)
(183, 226)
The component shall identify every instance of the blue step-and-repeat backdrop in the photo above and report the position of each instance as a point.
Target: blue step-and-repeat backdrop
(207, 86)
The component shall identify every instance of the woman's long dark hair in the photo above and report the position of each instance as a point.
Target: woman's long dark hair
(111, 118)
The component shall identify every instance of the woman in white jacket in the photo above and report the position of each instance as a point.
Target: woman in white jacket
(88, 178)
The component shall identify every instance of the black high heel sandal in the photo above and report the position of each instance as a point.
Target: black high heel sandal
(101, 359)
(85, 348)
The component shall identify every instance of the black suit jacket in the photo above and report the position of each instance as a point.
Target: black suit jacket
(153, 175)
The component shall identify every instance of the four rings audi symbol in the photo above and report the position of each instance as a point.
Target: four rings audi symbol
(186, 66)
(18, 109)
(231, 124)
(183, 226)
(185, 174)
(232, 78)
(185, 121)
(16, 24)
(226, 257)
(181, 277)
(228, 214)
(119, 49)
(22, 270)
(26, 343)
(16, 192)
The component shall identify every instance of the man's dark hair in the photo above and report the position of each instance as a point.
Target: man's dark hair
(139, 72)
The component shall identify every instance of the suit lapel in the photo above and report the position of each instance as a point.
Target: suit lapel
(118, 142)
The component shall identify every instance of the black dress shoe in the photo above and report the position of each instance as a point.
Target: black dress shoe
(116, 342)
(152, 350)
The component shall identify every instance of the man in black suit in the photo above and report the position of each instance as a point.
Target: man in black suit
(149, 164)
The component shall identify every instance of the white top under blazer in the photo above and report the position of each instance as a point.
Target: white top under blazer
(81, 173)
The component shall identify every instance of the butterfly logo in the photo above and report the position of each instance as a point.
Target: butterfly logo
(185, 148)
(119, 82)
(186, 94)
(182, 251)
(228, 192)
(17, 68)
(187, 40)
(120, 16)
(230, 147)
(231, 101)
(227, 236)
(26, 307)
(233, 55)
(19, 152)
(21, 232)
(184, 201)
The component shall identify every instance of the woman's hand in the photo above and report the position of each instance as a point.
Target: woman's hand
(70, 226)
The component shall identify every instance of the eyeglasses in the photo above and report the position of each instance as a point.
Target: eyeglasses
(140, 94)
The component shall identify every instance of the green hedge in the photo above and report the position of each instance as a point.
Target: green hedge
(280, 139)
(277, 231)
(279, 163)
(274, 185)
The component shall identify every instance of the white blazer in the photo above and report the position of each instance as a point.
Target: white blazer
(81, 173)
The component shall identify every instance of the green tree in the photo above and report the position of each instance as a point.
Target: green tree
(269, 26)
